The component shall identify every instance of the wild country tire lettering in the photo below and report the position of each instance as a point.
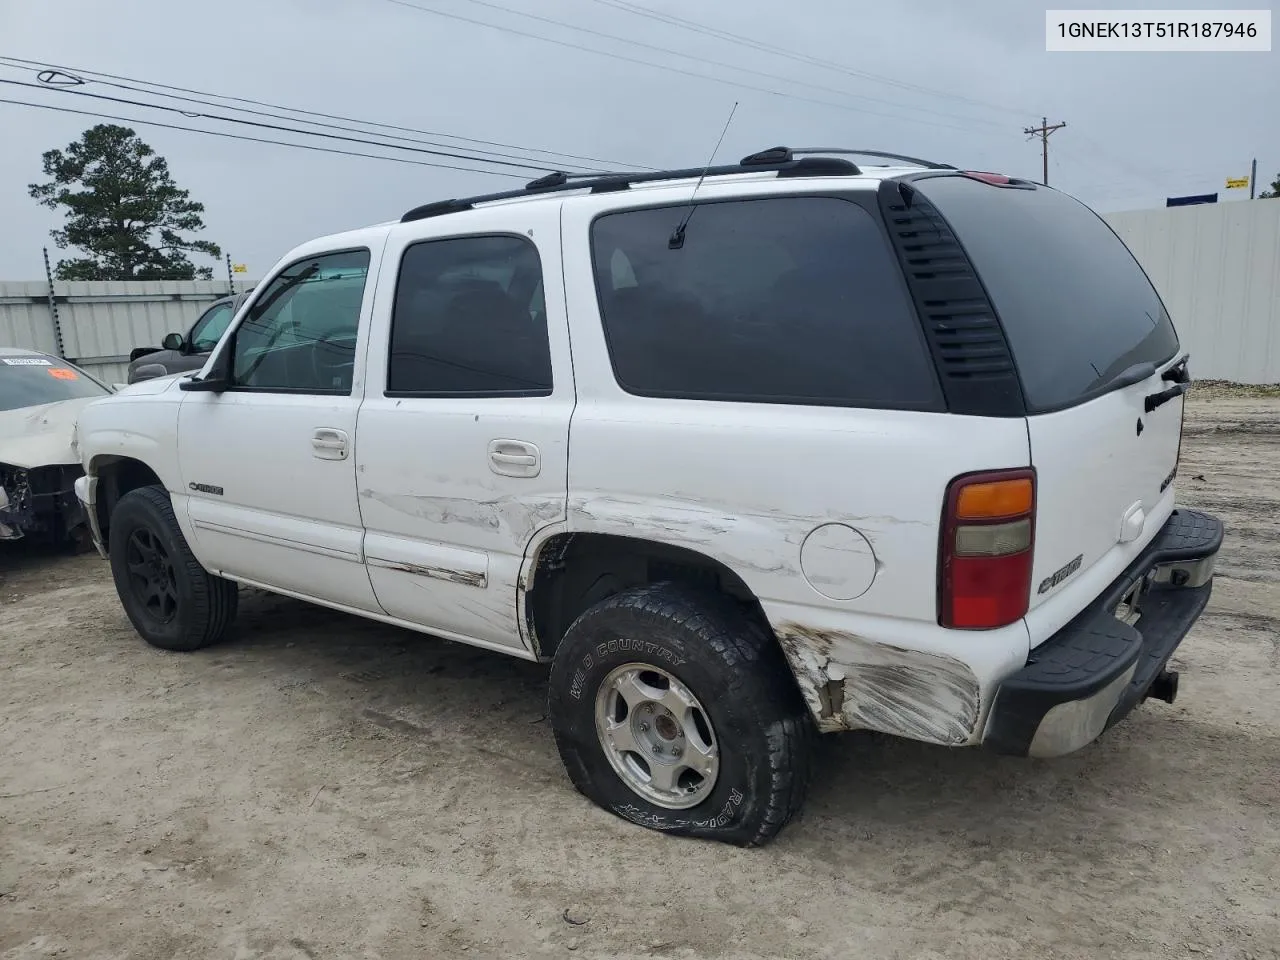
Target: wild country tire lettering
(656, 821)
(613, 646)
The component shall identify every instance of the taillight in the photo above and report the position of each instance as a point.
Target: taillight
(988, 535)
(995, 179)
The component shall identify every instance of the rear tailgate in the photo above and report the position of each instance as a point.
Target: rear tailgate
(1094, 348)
(1104, 490)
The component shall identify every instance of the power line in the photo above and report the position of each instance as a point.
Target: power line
(279, 127)
(279, 143)
(97, 75)
(805, 58)
(47, 82)
(1097, 147)
(715, 63)
(670, 69)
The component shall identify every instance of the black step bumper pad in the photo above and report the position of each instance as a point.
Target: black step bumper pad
(1090, 674)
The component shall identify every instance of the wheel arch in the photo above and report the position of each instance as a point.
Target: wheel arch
(117, 475)
(569, 572)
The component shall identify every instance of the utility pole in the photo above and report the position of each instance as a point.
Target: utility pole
(1043, 132)
(1253, 178)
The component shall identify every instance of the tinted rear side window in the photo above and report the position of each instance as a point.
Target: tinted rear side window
(470, 319)
(783, 300)
(1075, 306)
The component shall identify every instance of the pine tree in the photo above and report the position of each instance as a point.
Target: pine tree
(123, 210)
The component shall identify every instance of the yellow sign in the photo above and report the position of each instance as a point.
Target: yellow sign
(1235, 183)
(240, 268)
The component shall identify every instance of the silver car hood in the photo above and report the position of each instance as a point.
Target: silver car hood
(41, 435)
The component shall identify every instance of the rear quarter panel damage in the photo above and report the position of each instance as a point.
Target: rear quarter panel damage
(851, 683)
(746, 484)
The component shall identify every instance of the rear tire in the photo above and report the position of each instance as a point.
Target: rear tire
(674, 709)
(172, 601)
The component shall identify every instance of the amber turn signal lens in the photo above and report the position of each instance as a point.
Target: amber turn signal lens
(1001, 498)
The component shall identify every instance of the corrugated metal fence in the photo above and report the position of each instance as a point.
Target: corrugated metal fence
(99, 322)
(1217, 266)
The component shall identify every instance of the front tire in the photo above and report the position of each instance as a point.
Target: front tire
(172, 601)
(674, 709)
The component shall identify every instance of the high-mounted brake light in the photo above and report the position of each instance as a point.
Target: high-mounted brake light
(987, 543)
(998, 179)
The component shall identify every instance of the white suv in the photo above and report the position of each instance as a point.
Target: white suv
(796, 446)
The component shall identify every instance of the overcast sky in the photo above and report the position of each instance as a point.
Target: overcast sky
(940, 79)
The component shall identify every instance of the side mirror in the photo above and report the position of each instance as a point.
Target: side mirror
(207, 385)
(215, 381)
(174, 341)
(148, 371)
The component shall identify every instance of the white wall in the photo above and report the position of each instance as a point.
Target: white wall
(1217, 267)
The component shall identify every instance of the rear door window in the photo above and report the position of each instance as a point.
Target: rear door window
(470, 319)
(1076, 307)
(779, 300)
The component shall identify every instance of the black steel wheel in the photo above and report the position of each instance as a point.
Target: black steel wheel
(172, 601)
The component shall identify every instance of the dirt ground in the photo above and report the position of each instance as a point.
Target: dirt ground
(323, 787)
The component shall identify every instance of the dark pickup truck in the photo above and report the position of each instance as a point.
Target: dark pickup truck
(179, 352)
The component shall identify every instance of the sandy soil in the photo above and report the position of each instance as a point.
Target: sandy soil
(321, 787)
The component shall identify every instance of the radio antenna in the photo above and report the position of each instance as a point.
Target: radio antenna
(677, 236)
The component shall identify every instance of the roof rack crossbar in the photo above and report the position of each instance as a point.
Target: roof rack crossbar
(560, 182)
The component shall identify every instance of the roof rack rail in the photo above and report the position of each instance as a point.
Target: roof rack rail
(783, 154)
(559, 178)
(560, 182)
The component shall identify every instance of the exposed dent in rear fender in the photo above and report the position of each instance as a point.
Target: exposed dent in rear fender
(758, 543)
(850, 680)
(853, 683)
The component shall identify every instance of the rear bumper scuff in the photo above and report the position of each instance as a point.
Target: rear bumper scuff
(1092, 673)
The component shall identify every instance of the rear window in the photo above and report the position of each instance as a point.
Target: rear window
(781, 300)
(1075, 305)
(27, 381)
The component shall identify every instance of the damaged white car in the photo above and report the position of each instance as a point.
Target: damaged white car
(40, 397)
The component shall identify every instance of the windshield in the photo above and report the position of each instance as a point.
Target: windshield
(28, 381)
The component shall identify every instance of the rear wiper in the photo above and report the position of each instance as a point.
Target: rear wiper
(1179, 376)
(1131, 375)
(1178, 372)
(1144, 371)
